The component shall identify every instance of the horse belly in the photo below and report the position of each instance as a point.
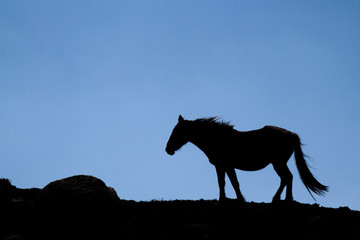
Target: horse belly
(247, 162)
(253, 164)
(249, 158)
(252, 160)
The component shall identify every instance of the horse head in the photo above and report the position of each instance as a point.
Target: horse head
(178, 137)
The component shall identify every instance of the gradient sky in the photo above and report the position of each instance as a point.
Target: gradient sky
(95, 87)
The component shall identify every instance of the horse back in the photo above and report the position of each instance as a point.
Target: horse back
(265, 134)
(278, 130)
(255, 149)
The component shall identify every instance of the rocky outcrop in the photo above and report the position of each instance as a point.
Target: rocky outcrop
(77, 207)
(80, 192)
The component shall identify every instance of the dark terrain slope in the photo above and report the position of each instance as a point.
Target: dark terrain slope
(83, 207)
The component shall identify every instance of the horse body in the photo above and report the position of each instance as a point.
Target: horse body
(227, 149)
(249, 151)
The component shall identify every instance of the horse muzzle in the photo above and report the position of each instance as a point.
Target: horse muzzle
(170, 152)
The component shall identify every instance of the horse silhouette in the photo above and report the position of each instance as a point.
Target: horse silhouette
(227, 149)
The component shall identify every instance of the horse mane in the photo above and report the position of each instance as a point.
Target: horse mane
(214, 123)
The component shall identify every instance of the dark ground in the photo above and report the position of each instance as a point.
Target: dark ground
(26, 214)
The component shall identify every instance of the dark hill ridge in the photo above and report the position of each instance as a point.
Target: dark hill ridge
(209, 219)
(83, 207)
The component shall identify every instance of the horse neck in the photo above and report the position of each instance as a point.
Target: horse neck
(203, 138)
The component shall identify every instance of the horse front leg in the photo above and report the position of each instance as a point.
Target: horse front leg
(235, 183)
(221, 180)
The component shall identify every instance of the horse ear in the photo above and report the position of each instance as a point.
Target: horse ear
(180, 118)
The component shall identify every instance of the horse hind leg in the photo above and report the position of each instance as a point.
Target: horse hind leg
(286, 180)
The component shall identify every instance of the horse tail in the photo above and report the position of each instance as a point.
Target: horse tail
(306, 176)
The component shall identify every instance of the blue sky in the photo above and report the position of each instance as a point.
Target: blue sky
(95, 87)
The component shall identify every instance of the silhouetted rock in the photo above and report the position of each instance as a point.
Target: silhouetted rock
(17, 210)
(76, 207)
(6, 191)
(81, 192)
